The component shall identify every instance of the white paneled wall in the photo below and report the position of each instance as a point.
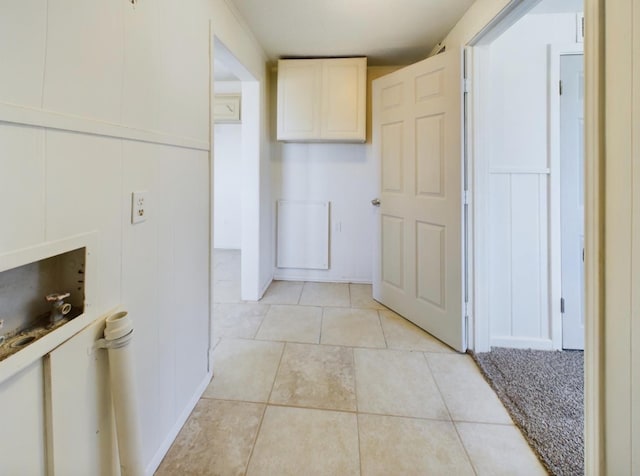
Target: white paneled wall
(518, 272)
(518, 177)
(82, 86)
(23, 31)
(83, 186)
(83, 68)
(22, 179)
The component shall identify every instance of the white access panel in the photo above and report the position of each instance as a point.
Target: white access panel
(302, 234)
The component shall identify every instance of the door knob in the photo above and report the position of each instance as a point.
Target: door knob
(375, 202)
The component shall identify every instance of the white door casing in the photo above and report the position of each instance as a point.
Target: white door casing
(572, 199)
(417, 141)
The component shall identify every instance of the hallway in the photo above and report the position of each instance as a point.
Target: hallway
(317, 378)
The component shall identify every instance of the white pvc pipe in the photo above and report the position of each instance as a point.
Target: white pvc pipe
(117, 337)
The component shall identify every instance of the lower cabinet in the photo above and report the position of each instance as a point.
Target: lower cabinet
(22, 438)
(56, 414)
(78, 398)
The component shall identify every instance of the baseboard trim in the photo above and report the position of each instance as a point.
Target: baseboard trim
(288, 277)
(522, 343)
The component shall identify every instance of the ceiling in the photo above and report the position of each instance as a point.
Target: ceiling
(388, 32)
(222, 72)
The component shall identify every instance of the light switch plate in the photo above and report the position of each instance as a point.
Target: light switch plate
(138, 207)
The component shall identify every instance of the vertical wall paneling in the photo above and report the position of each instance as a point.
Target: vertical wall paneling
(184, 75)
(142, 60)
(525, 253)
(141, 288)
(189, 172)
(83, 189)
(23, 24)
(83, 72)
(104, 88)
(22, 179)
(500, 282)
(544, 243)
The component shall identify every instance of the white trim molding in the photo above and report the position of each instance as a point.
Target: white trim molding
(54, 120)
(594, 234)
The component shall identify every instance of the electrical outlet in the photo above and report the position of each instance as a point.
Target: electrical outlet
(138, 207)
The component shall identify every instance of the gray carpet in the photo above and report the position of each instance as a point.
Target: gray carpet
(543, 391)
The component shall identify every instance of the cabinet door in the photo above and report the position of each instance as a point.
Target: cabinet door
(344, 83)
(22, 434)
(299, 104)
(82, 430)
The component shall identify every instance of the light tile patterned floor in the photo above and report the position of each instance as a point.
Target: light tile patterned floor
(321, 379)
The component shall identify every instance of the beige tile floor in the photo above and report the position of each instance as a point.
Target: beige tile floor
(319, 379)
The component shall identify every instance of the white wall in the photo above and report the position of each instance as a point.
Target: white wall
(227, 208)
(98, 100)
(519, 176)
(229, 28)
(345, 175)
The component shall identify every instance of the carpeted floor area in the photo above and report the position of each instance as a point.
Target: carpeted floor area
(544, 393)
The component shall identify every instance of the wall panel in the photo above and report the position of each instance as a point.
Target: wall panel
(83, 73)
(142, 60)
(22, 49)
(83, 190)
(22, 179)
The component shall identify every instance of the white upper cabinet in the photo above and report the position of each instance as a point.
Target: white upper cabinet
(322, 100)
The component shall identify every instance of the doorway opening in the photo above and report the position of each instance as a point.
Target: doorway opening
(517, 151)
(524, 132)
(235, 177)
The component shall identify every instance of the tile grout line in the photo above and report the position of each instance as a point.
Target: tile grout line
(384, 335)
(350, 412)
(355, 392)
(321, 324)
(264, 316)
(266, 406)
(453, 423)
(255, 439)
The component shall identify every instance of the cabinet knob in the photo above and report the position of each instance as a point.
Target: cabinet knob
(375, 202)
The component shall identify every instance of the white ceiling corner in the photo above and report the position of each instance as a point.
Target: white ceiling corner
(388, 32)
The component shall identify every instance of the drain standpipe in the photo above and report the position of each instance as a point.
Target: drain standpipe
(117, 337)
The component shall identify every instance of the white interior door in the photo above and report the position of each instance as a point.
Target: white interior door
(417, 141)
(572, 199)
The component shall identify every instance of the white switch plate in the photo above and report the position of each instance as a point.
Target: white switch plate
(138, 207)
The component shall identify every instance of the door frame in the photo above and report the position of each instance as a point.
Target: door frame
(251, 88)
(555, 189)
(594, 50)
(478, 150)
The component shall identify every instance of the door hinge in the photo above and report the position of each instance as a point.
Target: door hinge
(560, 87)
(562, 305)
(466, 84)
(466, 197)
